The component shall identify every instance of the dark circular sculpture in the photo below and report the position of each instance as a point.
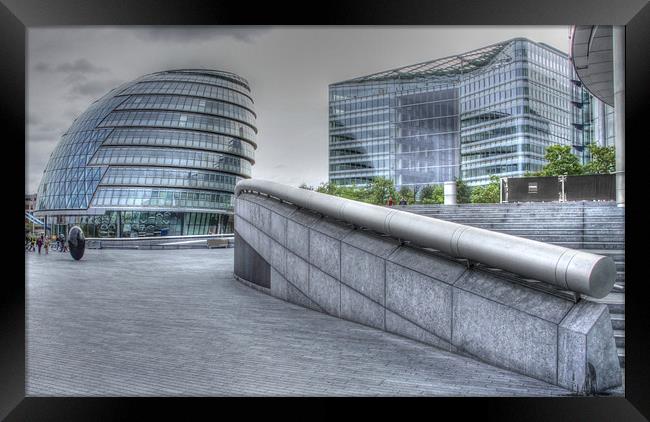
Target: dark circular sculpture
(76, 242)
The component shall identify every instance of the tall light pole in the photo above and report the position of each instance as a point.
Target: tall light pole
(618, 41)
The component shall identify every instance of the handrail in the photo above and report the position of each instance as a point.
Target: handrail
(570, 269)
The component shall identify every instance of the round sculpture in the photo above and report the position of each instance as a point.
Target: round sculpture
(76, 242)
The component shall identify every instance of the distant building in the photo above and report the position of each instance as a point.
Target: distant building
(30, 202)
(491, 111)
(156, 156)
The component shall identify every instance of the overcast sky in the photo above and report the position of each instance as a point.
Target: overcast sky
(288, 68)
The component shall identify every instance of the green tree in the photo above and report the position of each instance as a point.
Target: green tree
(463, 192)
(379, 189)
(489, 193)
(352, 192)
(432, 194)
(328, 188)
(408, 194)
(603, 160)
(560, 162)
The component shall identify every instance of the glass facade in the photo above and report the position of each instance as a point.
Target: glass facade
(156, 156)
(491, 111)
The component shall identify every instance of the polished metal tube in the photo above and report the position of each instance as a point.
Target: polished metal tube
(570, 269)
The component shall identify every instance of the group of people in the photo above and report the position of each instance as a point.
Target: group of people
(33, 243)
(402, 201)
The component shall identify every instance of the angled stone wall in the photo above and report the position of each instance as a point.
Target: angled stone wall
(333, 267)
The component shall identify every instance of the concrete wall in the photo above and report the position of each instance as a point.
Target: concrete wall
(350, 273)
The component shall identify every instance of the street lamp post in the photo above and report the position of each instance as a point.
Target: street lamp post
(618, 41)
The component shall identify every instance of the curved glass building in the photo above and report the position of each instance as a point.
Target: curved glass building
(156, 156)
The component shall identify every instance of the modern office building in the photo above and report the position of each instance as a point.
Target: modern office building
(30, 202)
(491, 111)
(156, 156)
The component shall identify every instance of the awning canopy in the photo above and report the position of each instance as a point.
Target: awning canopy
(591, 53)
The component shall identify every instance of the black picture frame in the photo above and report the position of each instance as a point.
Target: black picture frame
(18, 15)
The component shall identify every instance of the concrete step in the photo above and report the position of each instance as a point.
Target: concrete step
(615, 307)
(619, 336)
(618, 321)
(615, 301)
(616, 255)
(490, 214)
(589, 235)
(604, 223)
(590, 245)
(611, 225)
(514, 224)
(621, 356)
(529, 217)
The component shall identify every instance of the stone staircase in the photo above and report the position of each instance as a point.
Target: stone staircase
(596, 227)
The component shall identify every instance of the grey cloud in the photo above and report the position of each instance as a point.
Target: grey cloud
(42, 67)
(45, 137)
(94, 88)
(201, 33)
(46, 131)
(72, 113)
(34, 119)
(80, 66)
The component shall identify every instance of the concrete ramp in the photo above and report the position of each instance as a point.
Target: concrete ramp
(331, 266)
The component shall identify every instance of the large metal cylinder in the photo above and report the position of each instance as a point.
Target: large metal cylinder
(570, 269)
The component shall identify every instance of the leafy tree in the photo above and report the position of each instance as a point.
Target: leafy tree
(379, 189)
(352, 192)
(408, 194)
(328, 188)
(603, 160)
(560, 162)
(489, 193)
(463, 192)
(432, 194)
(426, 193)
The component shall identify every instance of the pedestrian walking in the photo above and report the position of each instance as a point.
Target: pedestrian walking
(39, 243)
(46, 244)
(390, 201)
(402, 201)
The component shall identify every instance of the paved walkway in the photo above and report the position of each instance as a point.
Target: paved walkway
(176, 323)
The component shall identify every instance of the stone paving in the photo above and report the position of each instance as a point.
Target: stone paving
(176, 323)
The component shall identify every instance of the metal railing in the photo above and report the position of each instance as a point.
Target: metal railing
(566, 268)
